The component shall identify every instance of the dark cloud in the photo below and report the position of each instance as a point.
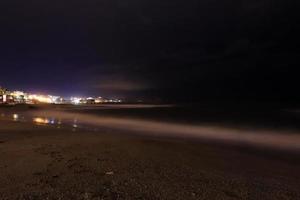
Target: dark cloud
(119, 85)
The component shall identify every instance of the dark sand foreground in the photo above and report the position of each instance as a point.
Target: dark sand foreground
(41, 162)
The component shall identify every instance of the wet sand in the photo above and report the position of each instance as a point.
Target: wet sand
(44, 162)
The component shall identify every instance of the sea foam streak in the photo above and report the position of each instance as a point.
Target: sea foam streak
(284, 140)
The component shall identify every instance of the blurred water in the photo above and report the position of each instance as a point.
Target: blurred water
(278, 139)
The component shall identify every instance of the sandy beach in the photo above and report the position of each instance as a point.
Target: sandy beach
(149, 100)
(47, 162)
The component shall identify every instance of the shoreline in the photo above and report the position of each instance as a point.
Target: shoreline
(44, 162)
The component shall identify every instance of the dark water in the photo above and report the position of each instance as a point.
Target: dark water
(151, 121)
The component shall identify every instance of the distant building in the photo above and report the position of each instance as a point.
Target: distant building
(5, 96)
(20, 97)
(90, 100)
(3, 91)
(99, 100)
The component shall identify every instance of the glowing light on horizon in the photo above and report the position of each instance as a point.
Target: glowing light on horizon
(41, 98)
(76, 100)
(20, 97)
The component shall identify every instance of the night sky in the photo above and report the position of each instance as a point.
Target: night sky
(152, 49)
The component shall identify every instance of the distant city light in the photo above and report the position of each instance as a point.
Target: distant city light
(75, 100)
(40, 98)
(20, 97)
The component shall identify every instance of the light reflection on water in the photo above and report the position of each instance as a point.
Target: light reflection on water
(39, 120)
(15, 117)
(281, 140)
(56, 122)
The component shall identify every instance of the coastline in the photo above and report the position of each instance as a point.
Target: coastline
(40, 161)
